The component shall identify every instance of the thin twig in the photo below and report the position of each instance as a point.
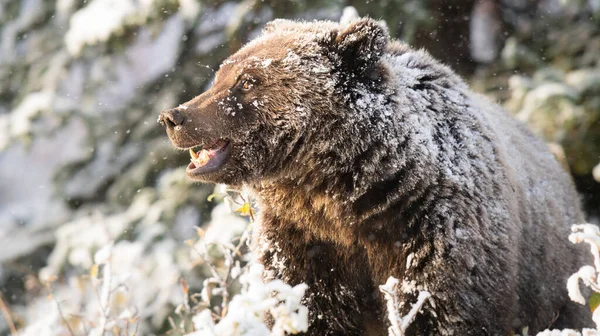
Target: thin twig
(400, 323)
(137, 325)
(390, 292)
(105, 296)
(7, 316)
(406, 320)
(62, 316)
(205, 256)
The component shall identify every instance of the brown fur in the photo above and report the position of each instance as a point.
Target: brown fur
(369, 160)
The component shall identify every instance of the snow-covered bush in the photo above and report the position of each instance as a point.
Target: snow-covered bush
(218, 311)
(110, 274)
(101, 19)
(107, 277)
(246, 313)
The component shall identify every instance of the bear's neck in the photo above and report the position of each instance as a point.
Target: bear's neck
(339, 192)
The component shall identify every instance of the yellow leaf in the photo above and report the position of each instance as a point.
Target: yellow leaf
(184, 286)
(80, 283)
(200, 232)
(94, 271)
(212, 196)
(120, 298)
(594, 301)
(189, 242)
(245, 210)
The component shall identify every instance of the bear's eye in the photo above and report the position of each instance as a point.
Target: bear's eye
(246, 85)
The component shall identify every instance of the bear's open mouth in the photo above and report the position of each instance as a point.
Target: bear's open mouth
(208, 158)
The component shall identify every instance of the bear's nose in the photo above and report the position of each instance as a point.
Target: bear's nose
(171, 118)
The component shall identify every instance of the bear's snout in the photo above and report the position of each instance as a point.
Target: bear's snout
(178, 126)
(171, 118)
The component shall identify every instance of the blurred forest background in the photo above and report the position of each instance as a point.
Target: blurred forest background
(83, 162)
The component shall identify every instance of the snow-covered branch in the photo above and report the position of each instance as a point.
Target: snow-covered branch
(400, 323)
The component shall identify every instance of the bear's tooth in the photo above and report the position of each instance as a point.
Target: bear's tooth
(204, 157)
(193, 154)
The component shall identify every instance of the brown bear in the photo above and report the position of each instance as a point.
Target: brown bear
(370, 159)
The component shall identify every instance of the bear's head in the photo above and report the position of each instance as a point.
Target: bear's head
(270, 98)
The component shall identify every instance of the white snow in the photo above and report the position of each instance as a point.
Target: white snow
(246, 313)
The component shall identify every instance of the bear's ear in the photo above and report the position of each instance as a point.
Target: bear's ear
(361, 43)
